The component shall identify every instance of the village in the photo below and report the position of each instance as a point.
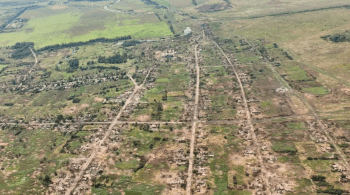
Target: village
(127, 143)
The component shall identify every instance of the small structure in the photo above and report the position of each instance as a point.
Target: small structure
(187, 31)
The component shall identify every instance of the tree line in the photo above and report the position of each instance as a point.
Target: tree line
(21, 50)
(80, 43)
(115, 59)
(149, 2)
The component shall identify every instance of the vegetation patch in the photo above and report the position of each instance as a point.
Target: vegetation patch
(284, 147)
(296, 73)
(304, 185)
(344, 37)
(316, 90)
(54, 29)
(296, 125)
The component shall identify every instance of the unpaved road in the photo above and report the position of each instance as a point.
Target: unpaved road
(99, 144)
(36, 59)
(111, 10)
(249, 120)
(132, 79)
(194, 124)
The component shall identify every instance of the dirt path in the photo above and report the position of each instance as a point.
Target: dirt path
(111, 10)
(132, 79)
(194, 124)
(99, 144)
(249, 120)
(36, 59)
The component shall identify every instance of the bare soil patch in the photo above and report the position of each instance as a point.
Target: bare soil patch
(97, 99)
(144, 118)
(75, 109)
(58, 7)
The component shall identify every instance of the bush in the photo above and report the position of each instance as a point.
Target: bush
(73, 63)
(344, 145)
(76, 100)
(8, 104)
(318, 178)
(331, 190)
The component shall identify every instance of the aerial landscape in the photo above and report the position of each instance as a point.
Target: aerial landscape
(180, 97)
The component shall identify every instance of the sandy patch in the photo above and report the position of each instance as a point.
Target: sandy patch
(144, 118)
(165, 106)
(97, 99)
(58, 7)
(175, 93)
(158, 54)
(75, 109)
(237, 159)
(217, 140)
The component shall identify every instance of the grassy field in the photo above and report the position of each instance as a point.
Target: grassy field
(75, 25)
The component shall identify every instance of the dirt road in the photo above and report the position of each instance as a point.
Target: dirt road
(97, 145)
(194, 124)
(36, 59)
(132, 79)
(249, 120)
(312, 110)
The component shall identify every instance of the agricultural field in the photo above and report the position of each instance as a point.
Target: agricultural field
(143, 97)
(63, 24)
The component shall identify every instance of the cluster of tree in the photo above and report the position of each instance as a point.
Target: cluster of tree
(8, 104)
(104, 68)
(77, 44)
(318, 178)
(287, 55)
(25, 64)
(76, 100)
(323, 158)
(157, 110)
(130, 43)
(3, 69)
(21, 50)
(194, 2)
(171, 27)
(73, 65)
(60, 118)
(115, 59)
(149, 2)
(46, 180)
(228, 3)
(158, 16)
(46, 74)
(90, 63)
(165, 96)
(345, 37)
(331, 190)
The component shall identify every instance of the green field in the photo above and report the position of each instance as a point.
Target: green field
(75, 26)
